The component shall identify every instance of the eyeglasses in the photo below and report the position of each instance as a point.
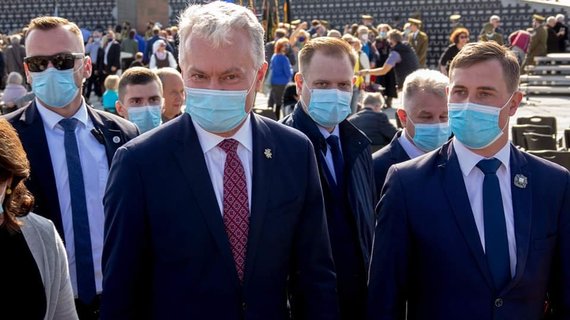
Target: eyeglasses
(60, 61)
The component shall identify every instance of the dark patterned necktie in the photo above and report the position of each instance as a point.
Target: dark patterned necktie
(236, 204)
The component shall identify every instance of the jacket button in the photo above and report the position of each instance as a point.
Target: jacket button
(498, 302)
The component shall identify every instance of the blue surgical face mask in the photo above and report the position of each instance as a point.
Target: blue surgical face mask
(430, 136)
(217, 111)
(55, 88)
(146, 118)
(475, 125)
(328, 107)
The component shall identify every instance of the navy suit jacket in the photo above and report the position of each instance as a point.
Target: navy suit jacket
(167, 255)
(427, 250)
(30, 127)
(384, 158)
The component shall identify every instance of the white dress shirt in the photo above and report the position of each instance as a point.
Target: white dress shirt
(473, 178)
(328, 156)
(411, 150)
(95, 172)
(216, 157)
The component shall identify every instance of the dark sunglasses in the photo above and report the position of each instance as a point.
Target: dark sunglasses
(60, 61)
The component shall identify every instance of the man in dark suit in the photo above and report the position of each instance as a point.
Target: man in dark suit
(70, 146)
(112, 55)
(245, 227)
(476, 229)
(345, 164)
(424, 117)
(373, 122)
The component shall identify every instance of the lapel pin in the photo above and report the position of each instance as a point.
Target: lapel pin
(268, 153)
(116, 139)
(521, 181)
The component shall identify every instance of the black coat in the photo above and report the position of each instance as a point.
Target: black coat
(359, 172)
(27, 121)
(375, 125)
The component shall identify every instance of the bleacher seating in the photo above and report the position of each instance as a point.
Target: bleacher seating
(15, 14)
(551, 75)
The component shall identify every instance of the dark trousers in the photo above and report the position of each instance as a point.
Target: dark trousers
(88, 311)
(93, 83)
(276, 96)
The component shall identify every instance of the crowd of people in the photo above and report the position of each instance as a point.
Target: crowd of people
(176, 201)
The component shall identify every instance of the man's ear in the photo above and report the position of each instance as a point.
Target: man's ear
(403, 116)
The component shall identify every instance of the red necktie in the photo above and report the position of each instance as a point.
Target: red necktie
(236, 205)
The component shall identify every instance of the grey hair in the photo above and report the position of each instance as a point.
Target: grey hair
(15, 39)
(215, 22)
(14, 78)
(550, 19)
(423, 80)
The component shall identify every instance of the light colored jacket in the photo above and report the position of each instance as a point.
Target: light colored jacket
(49, 253)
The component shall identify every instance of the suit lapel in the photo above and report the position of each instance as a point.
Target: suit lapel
(193, 164)
(454, 187)
(33, 136)
(522, 211)
(397, 151)
(263, 154)
(113, 137)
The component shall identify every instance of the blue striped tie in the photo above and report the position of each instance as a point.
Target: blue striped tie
(82, 236)
(496, 242)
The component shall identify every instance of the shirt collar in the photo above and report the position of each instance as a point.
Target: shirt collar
(326, 133)
(51, 119)
(209, 140)
(469, 159)
(411, 149)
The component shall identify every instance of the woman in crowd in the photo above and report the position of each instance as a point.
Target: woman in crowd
(35, 278)
(459, 38)
(162, 58)
(281, 73)
(14, 90)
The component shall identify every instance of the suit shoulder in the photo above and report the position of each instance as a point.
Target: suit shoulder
(546, 168)
(125, 125)
(283, 130)
(13, 117)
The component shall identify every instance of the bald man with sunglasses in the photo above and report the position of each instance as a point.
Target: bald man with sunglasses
(70, 146)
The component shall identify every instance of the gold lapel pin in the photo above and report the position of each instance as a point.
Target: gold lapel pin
(268, 153)
(520, 181)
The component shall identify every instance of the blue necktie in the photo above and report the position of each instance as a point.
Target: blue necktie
(338, 160)
(82, 236)
(496, 242)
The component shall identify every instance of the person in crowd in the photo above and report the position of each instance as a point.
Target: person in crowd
(290, 98)
(424, 119)
(112, 55)
(244, 235)
(402, 59)
(343, 153)
(152, 36)
(334, 34)
(140, 98)
(70, 147)
(362, 63)
(387, 81)
(94, 49)
(520, 41)
(138, 62)
(562, 31)
(111, 94)
(418, 40)
(279, 33)
(281, 73)
(459, 38)
(373, 122)
(129, 48)
(14, 56)
(538, 39)
(552, 45)
(491, 31)
(162, 58)
(368, 21)
(14, 90)
(476, 229)
(173, 93)
(36, 285)
(363, 34)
